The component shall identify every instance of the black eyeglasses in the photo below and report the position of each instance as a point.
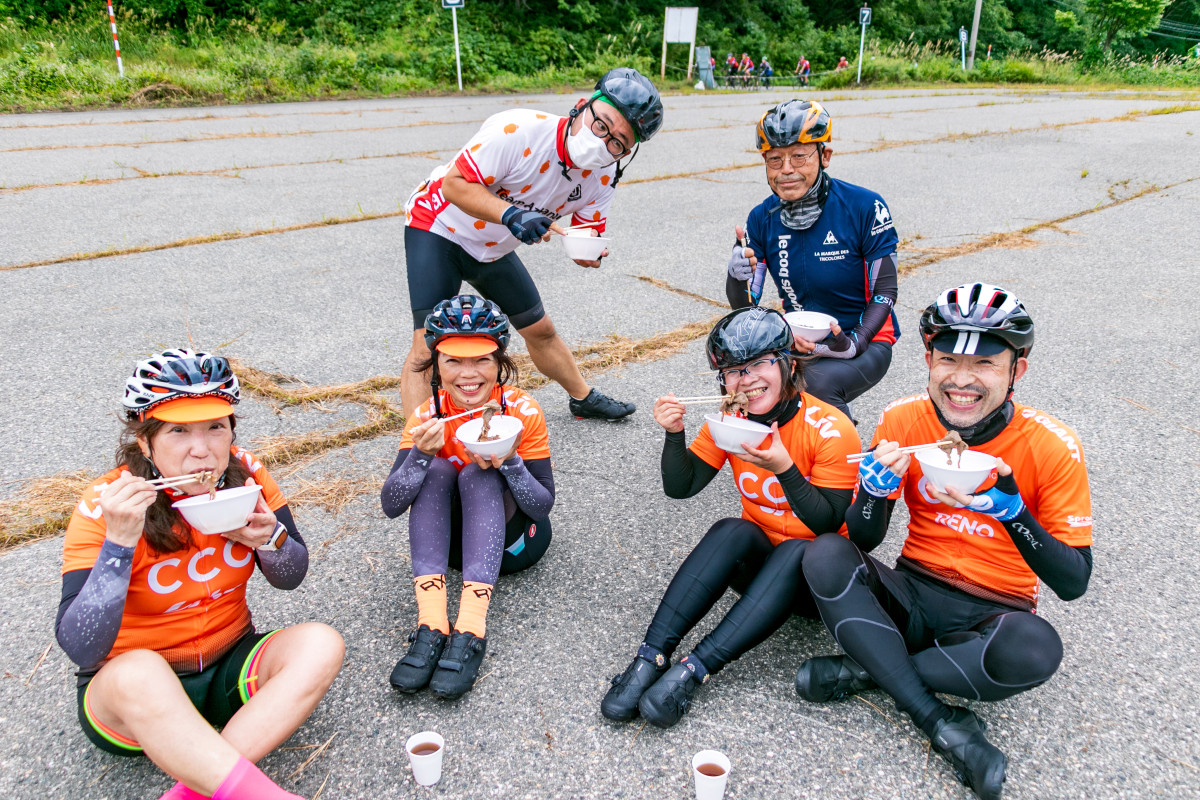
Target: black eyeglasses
(757, 368)
(599, 127)
(797, 160)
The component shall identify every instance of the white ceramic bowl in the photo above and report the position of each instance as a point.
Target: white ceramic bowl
(583, 246)
(810, 325)
(731, 432)
(225, 512)
(505, 427)
(966, 476)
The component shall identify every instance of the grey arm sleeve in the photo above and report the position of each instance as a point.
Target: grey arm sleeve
(533, 493)
(404, 484)
(286, 567)
(89, 615)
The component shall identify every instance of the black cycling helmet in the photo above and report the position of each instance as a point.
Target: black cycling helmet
(965, 317)
(747, 334)
(466, 315)
(175, 374)
(793, 122)
(632, 94)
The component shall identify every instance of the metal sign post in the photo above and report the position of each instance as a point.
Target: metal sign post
(680, 27)
(974, 35)
(864, 19)
(454, 6)
(962, 46)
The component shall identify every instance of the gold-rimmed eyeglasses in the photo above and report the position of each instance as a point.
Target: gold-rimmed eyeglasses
(797, 160)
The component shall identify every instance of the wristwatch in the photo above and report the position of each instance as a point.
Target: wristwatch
(278, 537)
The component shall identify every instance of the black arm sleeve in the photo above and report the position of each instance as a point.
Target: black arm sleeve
(684, 473)
(822, 510)
(1063, 568)
(883, 291)
(867, 520)
(736, 292)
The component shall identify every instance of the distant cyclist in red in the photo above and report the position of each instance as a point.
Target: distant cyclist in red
(842, 64)
(803, 69)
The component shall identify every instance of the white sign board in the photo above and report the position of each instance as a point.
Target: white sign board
(454, 3)
(962, 34)
(864, 16)
(681, 25)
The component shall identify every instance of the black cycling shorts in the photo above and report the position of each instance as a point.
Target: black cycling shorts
(437, 268)
(217, 693)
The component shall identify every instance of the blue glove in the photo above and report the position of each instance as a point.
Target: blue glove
(877, 480)
(528, 226)
(1002, 501)
(740, 267)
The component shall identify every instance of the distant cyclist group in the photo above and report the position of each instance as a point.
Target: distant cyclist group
(743, 73)
(154, 610)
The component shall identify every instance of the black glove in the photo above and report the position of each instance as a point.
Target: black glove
(528, 226)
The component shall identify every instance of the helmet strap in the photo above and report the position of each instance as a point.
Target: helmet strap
(621, 167)
(562, 162)
(435, 383)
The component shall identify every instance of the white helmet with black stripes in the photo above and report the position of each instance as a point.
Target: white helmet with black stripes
(977, 319)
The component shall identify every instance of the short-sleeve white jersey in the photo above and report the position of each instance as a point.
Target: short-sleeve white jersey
(518, 155)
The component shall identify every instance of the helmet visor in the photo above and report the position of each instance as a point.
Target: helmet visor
(467, 346)
(192, 409)
(969, 343)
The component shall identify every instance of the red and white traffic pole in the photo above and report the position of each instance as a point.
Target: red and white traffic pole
(112, 21)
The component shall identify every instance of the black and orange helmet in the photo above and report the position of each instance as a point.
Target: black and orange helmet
(793, 122)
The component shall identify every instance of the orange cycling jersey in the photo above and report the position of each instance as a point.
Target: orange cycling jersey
(1047, 462)
(818, 439)
(535, 441)
(189, 606)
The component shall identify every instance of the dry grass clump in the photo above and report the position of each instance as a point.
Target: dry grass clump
(329, 493)
(41, 508)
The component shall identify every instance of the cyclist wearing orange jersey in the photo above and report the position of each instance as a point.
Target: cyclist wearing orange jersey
(956, 615)
(485, 516)
(154, 611)
(795, 485)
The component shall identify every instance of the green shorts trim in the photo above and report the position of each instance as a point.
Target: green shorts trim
(217, 693)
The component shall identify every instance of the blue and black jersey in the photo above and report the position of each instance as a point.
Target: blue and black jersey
(829, 267)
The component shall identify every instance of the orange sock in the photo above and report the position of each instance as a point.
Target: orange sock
(431, 602)
(473, 608)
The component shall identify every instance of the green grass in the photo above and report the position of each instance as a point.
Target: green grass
(70, 65)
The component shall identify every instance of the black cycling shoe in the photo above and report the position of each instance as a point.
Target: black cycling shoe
(668, 699)
(600, 406)
(620, 704)
(456, 671)
(976, 761)
(826, 678)
(412, 673)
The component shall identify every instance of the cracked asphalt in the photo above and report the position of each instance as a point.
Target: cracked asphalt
(327, 303)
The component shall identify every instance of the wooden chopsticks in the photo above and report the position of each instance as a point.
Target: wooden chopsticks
(857, 457)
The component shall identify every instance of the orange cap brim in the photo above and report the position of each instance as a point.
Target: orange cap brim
(192, 409)
(467, 346)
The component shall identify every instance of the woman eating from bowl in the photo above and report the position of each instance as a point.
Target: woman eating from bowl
(154, 611)
(795, 485)
(485, 515)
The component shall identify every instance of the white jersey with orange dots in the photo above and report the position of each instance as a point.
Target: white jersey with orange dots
(517, 155)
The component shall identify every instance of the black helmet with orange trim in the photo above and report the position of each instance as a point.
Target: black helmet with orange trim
(976, 319)
(466, 318)
(793, 122)
(178, 374)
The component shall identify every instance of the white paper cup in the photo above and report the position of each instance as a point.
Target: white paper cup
(426, 766)
(710, 786)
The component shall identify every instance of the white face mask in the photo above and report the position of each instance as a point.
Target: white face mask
(587, 150)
